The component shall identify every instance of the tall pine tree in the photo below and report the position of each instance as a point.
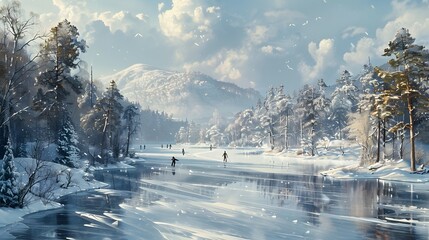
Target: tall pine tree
(59, 58)
(407, 82)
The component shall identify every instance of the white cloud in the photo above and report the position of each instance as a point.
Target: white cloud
(258, 34)
(323, 55)
(359, 55)
(229, 67)
(415, 19)
(269, 49)
(226, 64)
(120, 21)
(353, 31)
(187, 20)
(72, 10)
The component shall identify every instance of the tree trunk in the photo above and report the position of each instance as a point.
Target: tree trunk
(103, 149)
(286, 130)
(384, 138)
(128, 141)
(393, 145)
(378, 140)
(412, 139)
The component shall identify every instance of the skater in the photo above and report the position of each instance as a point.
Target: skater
(225, 157)
(140, 147)
(144, 146)
(173, 161)
(183, 151)
(211, 147)
(170, 146)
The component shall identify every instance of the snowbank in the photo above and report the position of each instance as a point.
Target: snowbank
(77, 184)
(390, 170)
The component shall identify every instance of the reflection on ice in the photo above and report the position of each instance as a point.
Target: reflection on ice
(200, 200)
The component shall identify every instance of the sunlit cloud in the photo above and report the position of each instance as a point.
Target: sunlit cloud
(323, 56)
(187, 20)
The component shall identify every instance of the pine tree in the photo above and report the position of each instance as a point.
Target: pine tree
(59, 58)
(104, 121)
(268, 119)
(310, 111)
(131, 123)
(67, 149)
(363, 124)
(407, 82)
(344, 100)
(8, 183)
(182, 135)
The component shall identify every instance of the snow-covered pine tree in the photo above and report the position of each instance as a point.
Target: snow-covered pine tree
(244, 130)
(8, 181)
(362, 125)
(269, 116)
(344, 100)
(194, 132)
(281, 115)
(407, 82)
(309, 117)
(215, 135)
(67, 147)
(322, 108)
(182, 135)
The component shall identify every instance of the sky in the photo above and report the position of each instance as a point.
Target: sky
(252, 43)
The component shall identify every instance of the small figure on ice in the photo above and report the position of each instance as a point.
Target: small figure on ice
(173, 161)
(225, 157)
(211, 147)
(183, 151)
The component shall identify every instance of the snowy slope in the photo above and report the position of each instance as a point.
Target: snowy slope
(194, 96)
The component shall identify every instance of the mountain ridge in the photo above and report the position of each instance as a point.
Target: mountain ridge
(186, 95)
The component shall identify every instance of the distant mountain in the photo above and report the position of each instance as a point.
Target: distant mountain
(194, 96)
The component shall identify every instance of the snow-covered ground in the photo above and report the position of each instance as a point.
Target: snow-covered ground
(343, 164)
(339, 160)
(389, 170)
(9, 215)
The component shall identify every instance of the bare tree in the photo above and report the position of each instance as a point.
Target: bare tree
(18, 64)
(40, 176)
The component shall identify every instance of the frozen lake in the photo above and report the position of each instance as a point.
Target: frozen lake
(246, 199)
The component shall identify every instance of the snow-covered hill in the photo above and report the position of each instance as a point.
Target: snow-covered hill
(194, 96)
